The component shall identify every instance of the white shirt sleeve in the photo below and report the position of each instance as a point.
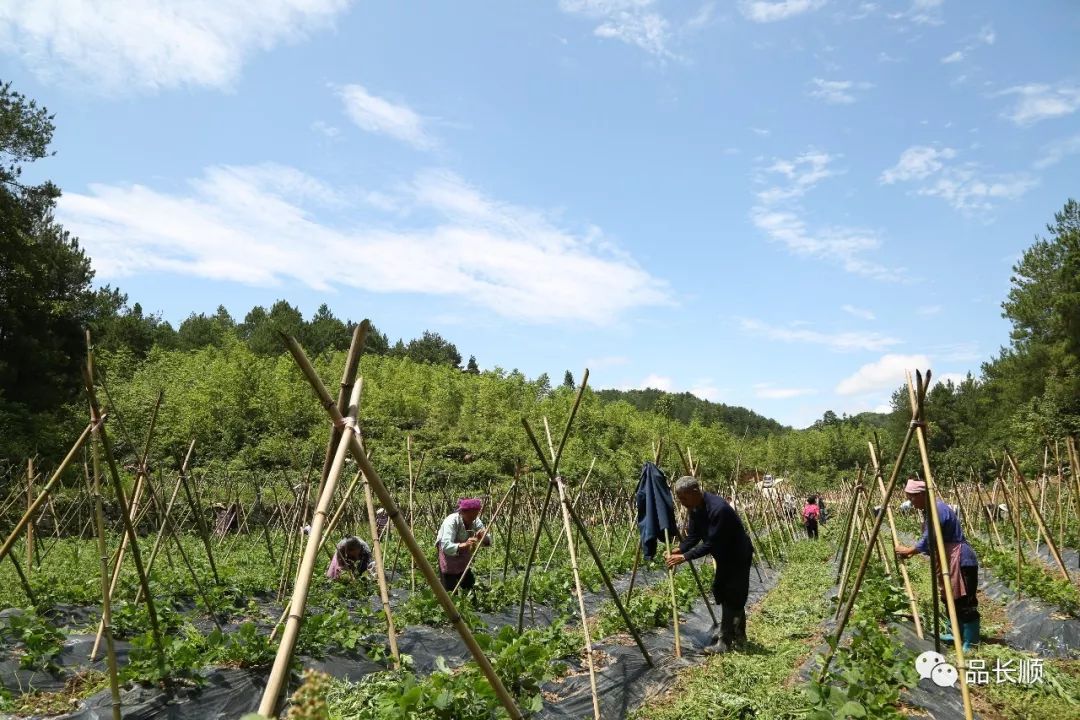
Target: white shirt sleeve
(447, 533)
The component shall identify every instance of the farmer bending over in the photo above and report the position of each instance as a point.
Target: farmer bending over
(714, 528)
(459, 535)
(351, 559)
(963, 564)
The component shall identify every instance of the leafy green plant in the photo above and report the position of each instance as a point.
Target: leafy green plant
(38, 641)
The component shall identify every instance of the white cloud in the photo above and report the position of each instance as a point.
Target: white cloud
(916, 163)
(954, 378)
(885, 57)
(634, 22)
(953, 57)
(1057, 151)
(657, 382)
(762, 11)
(1036, 102)
(964, 186)
(268, 224)
(884, 374)
(780, 219)
(987, 35)
(858, 312)
(325, 129)
(770, 392)
(381, 116)
(836, 92)
(921, 12)
(706, 390)
(760, 131)
(119, 46)
(802, 173)
(838, 341)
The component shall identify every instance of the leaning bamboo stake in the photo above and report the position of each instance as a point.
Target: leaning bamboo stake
(908, 590)
(267, 709)
(674, 604)
(279, 673)
(380, 575)
(29, 504)
(577, 498)
(580, 595)
(121, 501)
(540, 526)
(13, 536)
(106, 602)
(865, 561)
(1038, 517)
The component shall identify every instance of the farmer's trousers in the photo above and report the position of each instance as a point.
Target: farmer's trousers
(731, 587)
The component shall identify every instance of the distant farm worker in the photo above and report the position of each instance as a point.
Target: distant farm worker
(810, 514)
(714, 528)
(381, 521)
(459, 536)
(351, 559)
(963, 563)
(821, 509)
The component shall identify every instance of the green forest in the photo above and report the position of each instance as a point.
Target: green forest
(228, 383)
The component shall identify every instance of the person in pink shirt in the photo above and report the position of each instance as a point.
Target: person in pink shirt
(810, 515)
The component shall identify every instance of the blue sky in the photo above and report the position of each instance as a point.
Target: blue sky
(781, 205)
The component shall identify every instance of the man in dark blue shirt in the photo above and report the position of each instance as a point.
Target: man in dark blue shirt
(714, 528)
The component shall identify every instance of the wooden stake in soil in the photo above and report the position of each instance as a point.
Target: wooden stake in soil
(380, 573)
(1038, 517)
(106, 602)
(581, 596)
(268, 708)
(674, 604)
(896, 540)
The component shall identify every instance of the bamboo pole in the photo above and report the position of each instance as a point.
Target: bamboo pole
(510, 526)
(384, 594)
(106, 602)
(29, 505)
(908, 590)
(577, 498)
(44, 494)
(580, 595)
(96, 418)
(405, 533)
(553, 468)
(865, 561)
(942, 557)
(674, 604)
(1038, 516)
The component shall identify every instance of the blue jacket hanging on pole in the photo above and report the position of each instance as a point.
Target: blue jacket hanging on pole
(655, 509)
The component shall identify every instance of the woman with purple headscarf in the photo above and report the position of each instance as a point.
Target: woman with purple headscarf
(459, 535)
(963, 563)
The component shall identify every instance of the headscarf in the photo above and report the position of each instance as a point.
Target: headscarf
(470, 504)
(915, 486)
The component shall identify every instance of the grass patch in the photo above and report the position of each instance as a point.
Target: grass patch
(783, 629)
(60, 702)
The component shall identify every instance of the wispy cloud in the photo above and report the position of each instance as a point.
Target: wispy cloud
(117, 47)
(836, 92)
(921, 12)
(381, 116)
(883, 375)
(657, 382)
(325, 129)
(634, 22)
(268, 224)
(953, 57)
(778, 214)
(985, 36)
(770, 391)
(858, 312)
(762, 11)
(916, 163)
(837, 341)
(1036, 102)
(964, 186)
(1057, 151)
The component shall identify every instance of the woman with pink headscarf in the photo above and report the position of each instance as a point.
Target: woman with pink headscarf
(963, 563)
(459, 535)
(352, 557)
